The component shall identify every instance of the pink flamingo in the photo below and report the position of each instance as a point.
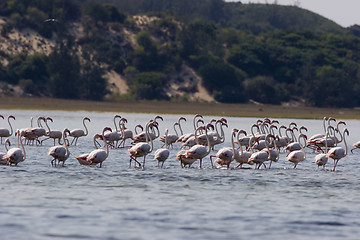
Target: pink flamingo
(200, 151)
(16, 155)
(82, 158)
(53, 134)
(183, 138)
(337, 153)
(76, 133)
(355, 145)
(3, 159)
(60, 153)
(296, 156)
(226, 155)
(294, 146)
(142, 149)
(321, 159)
(99, 155)
(5, 132)
(242, 156)
(163, 153)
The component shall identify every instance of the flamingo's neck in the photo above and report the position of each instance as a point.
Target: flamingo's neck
(86, 130)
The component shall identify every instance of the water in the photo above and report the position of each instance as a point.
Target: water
(117, 202)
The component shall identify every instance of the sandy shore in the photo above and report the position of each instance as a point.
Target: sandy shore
(162, 107)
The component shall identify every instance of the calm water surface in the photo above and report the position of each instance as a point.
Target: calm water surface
(117, 202)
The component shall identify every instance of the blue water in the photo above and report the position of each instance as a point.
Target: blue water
(39, 201)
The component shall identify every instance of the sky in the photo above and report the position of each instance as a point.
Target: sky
(343, 12)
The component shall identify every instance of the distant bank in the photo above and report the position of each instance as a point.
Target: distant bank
(164, 107)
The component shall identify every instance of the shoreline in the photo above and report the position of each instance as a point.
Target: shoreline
(165, 107)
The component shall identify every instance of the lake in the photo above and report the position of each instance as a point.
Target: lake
(39, 201)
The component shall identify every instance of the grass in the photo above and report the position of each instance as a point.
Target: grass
(164, 107)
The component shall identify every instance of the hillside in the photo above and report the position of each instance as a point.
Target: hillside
(253, 17)
(167, 50)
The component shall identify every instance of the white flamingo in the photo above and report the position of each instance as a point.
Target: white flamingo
(16, 155)
(142, 149)
(76, 133)
(60, 153)
(162, 153)
(337, 153)
(5, 132)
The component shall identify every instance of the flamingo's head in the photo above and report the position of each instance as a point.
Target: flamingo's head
(182, 118)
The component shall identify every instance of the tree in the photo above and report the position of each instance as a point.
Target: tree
(93, 84)
(64, 71)
(148, 85)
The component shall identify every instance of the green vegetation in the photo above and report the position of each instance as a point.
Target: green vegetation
(262, 52)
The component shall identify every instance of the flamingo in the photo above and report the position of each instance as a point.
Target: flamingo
(218, 138)
(273, 154)
(115, 135)
(126, 133)
(337, 153)
(183, 138)
(163, 153)
(199, 151)
(330, 139)
(141, 137)
(3, 159)
(16, 155)
(296, 156)
(54, 134)
(27, 133)
(294, 146)
(111, 136)
(261, 156)
(283, 140)
(82, 158)
(38, 131)
(321, 159)
(60, 153)
(226, 155)
(99, 155)
(242, 156)
(5, 132)
(184, 161)
(355, 145)
(76, 133)
(311, 141)
(170, 138)
(142, 149)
